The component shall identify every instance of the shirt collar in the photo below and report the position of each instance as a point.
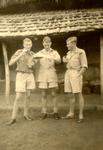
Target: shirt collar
(50, 50)
(75, 51)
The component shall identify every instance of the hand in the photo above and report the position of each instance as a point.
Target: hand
(23, 52)
(64, 59)
(79, 74)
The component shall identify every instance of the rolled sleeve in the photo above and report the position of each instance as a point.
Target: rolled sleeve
(83, 59)
(16, 54)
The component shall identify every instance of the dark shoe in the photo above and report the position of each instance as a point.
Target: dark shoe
(80, 120)
(43, 116)
(11, 122)
(27, 118)
(56, 116)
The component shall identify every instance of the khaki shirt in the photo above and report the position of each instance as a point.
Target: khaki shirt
(25, 61)
(76, 59)
(47, 72)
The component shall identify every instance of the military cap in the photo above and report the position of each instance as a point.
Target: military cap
(72, 39)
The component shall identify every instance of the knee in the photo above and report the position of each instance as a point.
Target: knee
(79, 96)
(71, 96)
(28, 96)
(73, 101)
(44, 96)
(18, 97)
(53, 95)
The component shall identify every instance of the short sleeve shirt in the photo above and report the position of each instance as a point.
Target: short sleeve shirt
(76, 59)
(47, 72)
(24, 61)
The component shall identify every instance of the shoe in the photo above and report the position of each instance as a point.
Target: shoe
(43, 116)
(68, 117)
(56, 116)
(80, 120)
(11, 122)
(27, 118)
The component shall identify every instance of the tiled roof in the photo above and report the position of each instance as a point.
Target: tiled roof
(51, 22)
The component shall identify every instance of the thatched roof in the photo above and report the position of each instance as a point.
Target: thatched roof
(51, 22)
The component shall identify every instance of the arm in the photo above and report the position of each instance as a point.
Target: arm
(83, 69)
(32, 61)
(84, 64)
(65, 59)
(16, 57)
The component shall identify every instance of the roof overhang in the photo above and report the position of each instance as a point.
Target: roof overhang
(54, 22)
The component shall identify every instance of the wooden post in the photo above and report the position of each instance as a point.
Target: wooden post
(101, 63)
(7, 74)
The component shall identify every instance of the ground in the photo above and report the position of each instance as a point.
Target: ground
(52, 134)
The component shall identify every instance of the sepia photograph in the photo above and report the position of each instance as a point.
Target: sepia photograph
(51, 75)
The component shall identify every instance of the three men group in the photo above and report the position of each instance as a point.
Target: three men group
(26, 60)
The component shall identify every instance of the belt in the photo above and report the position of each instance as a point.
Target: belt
(71, 68)
(23, 72)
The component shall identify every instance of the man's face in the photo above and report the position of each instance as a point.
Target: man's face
(27, 45)
(70, 45)
(47, 45)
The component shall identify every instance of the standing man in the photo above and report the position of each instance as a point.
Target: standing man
(47, 77)
(24, 78)
(76, 63)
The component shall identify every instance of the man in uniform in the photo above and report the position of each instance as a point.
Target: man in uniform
(47, 77)
(25, 81)
(76, 63)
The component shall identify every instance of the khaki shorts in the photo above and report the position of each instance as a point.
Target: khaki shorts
(46, 85)
(24, 81)
(73, 82)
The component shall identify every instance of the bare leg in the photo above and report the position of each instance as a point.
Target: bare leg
(55, 104)
(26, 102)
(44, 101)
(72, 105)
(70, 114)
(44, 104)
(15, 109)
(16, 105)
(80, 98)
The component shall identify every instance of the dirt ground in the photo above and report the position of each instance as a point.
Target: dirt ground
(52, 134)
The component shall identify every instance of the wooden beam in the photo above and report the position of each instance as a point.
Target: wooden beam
(101, 63)
(7, 74)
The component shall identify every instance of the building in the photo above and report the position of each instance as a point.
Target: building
(87, 24)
